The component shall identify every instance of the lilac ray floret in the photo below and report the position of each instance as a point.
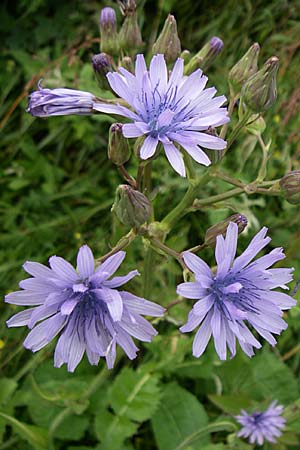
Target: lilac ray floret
(262, 426)
(84, 307)
(240, 291)
(168, 109)
(60, 102)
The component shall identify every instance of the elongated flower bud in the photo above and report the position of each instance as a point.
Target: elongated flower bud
(221, 228)
(206, 55)
(290, 186)
(130, 38)
(259, 92)
(118, 147)
(131, 207)
(243, 69)
(127, 63)
(108, 31)
(60, 102)
(168, 42)
(102, 64)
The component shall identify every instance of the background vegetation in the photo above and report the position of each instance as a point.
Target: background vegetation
(57, 190)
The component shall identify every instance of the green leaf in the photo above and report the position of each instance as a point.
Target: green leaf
(7, 388)
(36, 436)
(113, 430)
(231, 404)
(134, 395)
(180, 414)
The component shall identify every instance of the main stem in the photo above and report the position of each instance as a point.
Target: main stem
(186, 201)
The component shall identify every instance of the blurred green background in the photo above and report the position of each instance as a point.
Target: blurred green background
(57, 185)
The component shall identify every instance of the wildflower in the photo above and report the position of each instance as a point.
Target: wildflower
(174, 109)
(60, 102)
(84, 307)
(262, 426)
(240, 291)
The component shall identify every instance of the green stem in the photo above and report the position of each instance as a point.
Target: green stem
(148, 272)
(263, 168)
(197, 248)
(147, 179)
(122, 243)
(9, 443)
(211, 428)
(236, 131)
(130, 180)
(186, 201)
(169, 251)
(31, 364)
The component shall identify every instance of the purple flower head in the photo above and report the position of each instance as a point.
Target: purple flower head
(59, 102)
(85, 307)
(239, 291)
(262, 426)
(108, 17)
(168, 109)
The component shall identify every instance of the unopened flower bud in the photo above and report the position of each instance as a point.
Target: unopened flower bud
(130, 38)
(243, 69)
(102, 64)
(221, 228)
(290, 186)
(259, 92)
(118, 147)
(131, 207)
(127, 63)
(168, 42)
(206, 55)
(108, 31)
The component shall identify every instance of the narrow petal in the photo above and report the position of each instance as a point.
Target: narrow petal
(63, 269)
(113, 301)
(37, 270)
(191, 290)
(119, 281)
(112, 263)
(192, 322)
(202, 336)
(44, 332)
(85, 262)
(130, 130)
(20, 319)
(196, 264)
(158, 73)
(26, 298)
(175, 159)
(149, 147)
(138, 305)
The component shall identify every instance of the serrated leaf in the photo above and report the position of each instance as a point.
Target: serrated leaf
(112, 430)
(36, 436)
(180, 414)
(134, 395)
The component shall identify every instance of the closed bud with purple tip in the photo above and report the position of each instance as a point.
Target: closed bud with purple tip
(132, 207)
(243, 69)
(118, 147)
(60, 102)
(221, 228)
(102, 64)
(206, 55)
(108, 31)
(260, 91)
(290, 186)
(168, 42)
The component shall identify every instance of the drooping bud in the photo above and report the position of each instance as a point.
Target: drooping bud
(118, 147)
(102, 64)
(221, 228)
(243, 69)
(259, 92)
(108, 31)
(290, 186)
(206, 55)
(131, 207)
(127, 63)
(168, 42)
(130, 38)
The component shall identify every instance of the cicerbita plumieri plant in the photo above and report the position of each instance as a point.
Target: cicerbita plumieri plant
(164, 106)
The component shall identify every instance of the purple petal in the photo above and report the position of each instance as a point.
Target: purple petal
(175, 159)
(202, 336)
(196, 264)
(112, 263)
(138, 305)
(20, 319)
(191, 290)
(119, 281)
(148, 148)
(85, 262)
(63, 269)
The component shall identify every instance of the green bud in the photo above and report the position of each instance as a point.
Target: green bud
(256, 125)
(243, 69)
(206, 55)
(127, 63)
(168, 42)
(221, 228)
(130, 38)
(131, 207)
(108, 31)
(290, 186)
(259, 92)
(102, 64)
(118, 147)
(185, 55)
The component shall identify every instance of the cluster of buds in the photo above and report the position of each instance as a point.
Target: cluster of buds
(257, 88)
